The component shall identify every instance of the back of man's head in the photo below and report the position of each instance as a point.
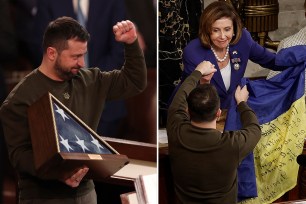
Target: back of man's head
(203, 103)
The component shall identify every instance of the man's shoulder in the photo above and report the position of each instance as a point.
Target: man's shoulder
(25, 84)
(88, 72)
(20, 92)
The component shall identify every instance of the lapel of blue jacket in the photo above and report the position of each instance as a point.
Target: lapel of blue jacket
(217, 79)
(234, 76)
(236, 53)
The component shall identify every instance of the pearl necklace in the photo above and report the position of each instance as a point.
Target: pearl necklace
(225, 56)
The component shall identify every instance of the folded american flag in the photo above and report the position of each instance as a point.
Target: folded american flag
(74, 138)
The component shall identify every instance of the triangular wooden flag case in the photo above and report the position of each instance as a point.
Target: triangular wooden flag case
(62, 143)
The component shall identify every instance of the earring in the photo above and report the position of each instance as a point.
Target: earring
(233, 34)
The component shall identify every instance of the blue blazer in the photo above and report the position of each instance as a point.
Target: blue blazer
(103, 50)
(246, 49)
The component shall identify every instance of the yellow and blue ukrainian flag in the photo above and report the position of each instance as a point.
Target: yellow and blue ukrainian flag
(279, 103)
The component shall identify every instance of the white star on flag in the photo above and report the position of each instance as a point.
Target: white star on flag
(81, 143)
(73, 137)
(65, 143)
(96, 142)
(61, 112)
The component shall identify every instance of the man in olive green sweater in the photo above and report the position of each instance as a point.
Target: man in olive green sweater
(62, 74)
(204, 161)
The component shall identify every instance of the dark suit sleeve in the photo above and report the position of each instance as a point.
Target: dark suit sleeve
(40, 23)
(103, 50)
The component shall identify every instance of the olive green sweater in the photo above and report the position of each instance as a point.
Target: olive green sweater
(88, 91)
(204, 161)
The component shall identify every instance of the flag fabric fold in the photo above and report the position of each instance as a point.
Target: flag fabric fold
(279, 103)
(74, 138)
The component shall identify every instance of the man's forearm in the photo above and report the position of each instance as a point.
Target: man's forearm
(187, 86)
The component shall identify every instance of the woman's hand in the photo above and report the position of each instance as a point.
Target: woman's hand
(207, 69)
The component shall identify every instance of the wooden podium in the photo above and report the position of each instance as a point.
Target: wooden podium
(143, 162)
(62, 143)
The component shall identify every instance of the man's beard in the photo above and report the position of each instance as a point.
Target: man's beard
(64, 74)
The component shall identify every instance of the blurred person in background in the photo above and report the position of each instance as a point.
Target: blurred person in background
(8, 53)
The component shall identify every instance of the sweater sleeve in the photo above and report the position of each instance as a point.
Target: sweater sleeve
(17, 137)
(177, 109)
(131, 79)
(250, 133)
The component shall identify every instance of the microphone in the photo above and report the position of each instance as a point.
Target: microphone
(301, 159)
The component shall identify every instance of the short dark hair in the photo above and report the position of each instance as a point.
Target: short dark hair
(203, 103)
(214, 11)
(62, 29)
